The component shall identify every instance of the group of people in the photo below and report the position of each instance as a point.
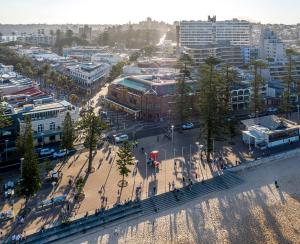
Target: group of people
(18, 238)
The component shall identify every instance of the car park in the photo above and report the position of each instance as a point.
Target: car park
(121, 138)
(46, 151)
(187, 126)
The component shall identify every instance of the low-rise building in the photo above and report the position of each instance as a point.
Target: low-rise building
(232, 55)
(38, 39)
(148, 97)
(47, 119)
(10, 83)
(83, 53)
(108, 58)
(87, 74)
(269, 131)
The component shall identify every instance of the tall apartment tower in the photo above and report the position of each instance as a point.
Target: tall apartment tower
(85, 32)
(212, 32)
(270, 46)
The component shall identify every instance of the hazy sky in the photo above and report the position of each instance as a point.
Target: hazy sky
(123, 11)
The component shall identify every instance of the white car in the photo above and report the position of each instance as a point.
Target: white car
(46, 151)
(187, 126)
(121, 138)
(60, 153)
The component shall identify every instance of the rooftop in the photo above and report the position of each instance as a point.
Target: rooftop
(269, 123)
(33, 108)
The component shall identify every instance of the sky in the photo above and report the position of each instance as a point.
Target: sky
(123, 11)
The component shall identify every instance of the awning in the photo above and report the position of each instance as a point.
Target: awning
(125, 107)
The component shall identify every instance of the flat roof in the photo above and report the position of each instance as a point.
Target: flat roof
(43, 107)
(270, 122)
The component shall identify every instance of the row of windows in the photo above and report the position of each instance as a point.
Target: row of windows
(41, 127)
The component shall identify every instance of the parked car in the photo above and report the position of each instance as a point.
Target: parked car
(121, 138)
(187, 126)
(272, 110)
(60, 153)
(46, 151)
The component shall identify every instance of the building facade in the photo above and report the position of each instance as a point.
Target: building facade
(211, 32)
(147, 97)
(46, 119)
(87, 74)
(232, 55)
(271, 47)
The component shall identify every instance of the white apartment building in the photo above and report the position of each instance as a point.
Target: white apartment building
(278, 70)
(211, 32)
(37, 39)
(270, 46)
(109, 58)
(47, 119)
(6, 68)
(229, 54)
(86, 74)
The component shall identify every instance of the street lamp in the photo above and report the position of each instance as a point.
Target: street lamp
(172, 129)
(298, 112)
(6, 142)
(42, 134)
(165, 168)
(21, 167)
(146, 155)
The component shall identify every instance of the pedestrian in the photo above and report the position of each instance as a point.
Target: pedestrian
(169, 186)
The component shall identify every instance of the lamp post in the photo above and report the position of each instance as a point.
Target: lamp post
(42, 134)
(21, 167)
(172, 128)
(165, 151)
(298, 106)
(146, 172)
(6, 142)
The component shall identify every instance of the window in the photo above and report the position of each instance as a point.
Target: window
(52, 126)
(40, 128)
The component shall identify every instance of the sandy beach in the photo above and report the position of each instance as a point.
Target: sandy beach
(253, 212)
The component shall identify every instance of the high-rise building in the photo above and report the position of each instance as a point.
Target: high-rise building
(211, 32)
(85, 32)
(270, 46)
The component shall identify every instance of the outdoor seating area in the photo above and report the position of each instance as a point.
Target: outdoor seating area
(9, 189)
(51, 202)
(9, 214)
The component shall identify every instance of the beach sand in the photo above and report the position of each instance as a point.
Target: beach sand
(253, 212)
